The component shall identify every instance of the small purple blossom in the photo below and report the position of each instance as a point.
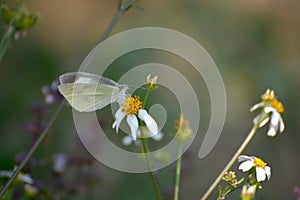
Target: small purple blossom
(51, 93)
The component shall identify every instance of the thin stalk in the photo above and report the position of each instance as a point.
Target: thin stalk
(146, 98)
(32, 149)
(112, 24)
(154, 183)
(10, 32)
(233, 159)
(146, 151)
(121, 10)
(178, 170)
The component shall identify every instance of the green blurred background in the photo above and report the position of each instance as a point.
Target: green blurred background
(255, 45)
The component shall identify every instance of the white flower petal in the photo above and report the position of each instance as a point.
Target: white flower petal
(158, 137)
(268, 171)
(60, 162)
(5, 173)
(260, 174)
(273, 126)
(114, 125)
(275, 118)
(264, 121)
(255, 119)
(148, 77)
(119, 116)
(242, 158)
(269, 109)
(26, 178)
(139, 133)
(246, 165)
(281, 125)
(127, 140)
(133, 124)
(149, 121)
(258, 105)
(272, 131)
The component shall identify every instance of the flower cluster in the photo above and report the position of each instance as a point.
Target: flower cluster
(272, 111)
(230, 178)
(23, 19)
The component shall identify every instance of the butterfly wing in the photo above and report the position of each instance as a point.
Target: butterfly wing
(87, 97)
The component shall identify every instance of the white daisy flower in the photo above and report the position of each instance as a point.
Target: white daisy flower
(131, 107)
(261, 168)
(272, 110)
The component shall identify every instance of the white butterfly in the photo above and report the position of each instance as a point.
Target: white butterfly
(90, 92)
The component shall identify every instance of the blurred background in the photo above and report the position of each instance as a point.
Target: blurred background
(255, 45)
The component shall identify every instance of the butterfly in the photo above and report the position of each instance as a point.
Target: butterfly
(88, 92)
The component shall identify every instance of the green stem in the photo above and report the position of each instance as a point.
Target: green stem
(32, 149)
(146, 98)
(10, 32)
(154, 183)
(233, 159)
(178, 170)
(146, 151)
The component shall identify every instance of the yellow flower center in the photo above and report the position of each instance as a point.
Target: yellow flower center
(259, 163)
(270, 98)
(132, 105)
(277, 105)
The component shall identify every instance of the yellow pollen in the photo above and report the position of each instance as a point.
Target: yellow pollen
(259, 163)
(277, 105)
(132, 105)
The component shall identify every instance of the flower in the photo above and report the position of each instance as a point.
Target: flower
(151, 82)
(228, 176)
(131, 107)
(272, 110)
(22, 20)
(30, 190)
(25, 178)
(248, 192)
(51, 93)
(183, 130)
(261, 168)
(60, 162)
